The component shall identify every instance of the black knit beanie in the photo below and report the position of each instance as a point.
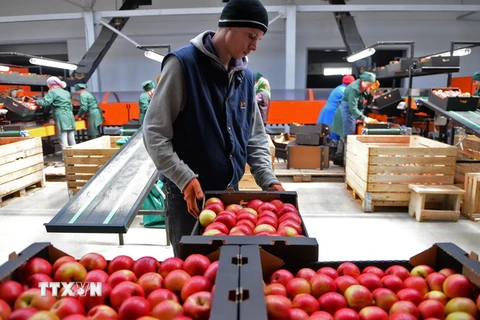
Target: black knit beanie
(244, 13)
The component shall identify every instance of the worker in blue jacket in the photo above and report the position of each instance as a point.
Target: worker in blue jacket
(476, 83)
(328, 111)
(203, 124)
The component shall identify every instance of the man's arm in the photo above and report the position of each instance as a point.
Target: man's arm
(166, 104)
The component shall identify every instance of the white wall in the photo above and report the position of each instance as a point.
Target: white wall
(125, 67)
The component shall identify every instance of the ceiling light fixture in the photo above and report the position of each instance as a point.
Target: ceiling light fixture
(53, 63)
(154, 56)
(456, 53)
(4, 68)
(339, 71)
(361, 55)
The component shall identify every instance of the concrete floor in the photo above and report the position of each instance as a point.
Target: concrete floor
(342, 230)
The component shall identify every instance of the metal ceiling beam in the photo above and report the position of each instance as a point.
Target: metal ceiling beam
(462, 16)
(388, 7)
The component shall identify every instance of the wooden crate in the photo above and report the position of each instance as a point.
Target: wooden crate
(470, 151)
(471, 203)
(21, 165)
(248, 181)
(380, 168)
(83, 160)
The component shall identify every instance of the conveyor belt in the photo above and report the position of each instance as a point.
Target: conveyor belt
(109, 202)
(467, 119)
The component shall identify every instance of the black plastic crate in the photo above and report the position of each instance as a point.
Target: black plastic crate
(440, 62)
(19, 112)
(289, 248)
(261, 266)
(309, 139)
(453, 103)
(401, 66)
(320, 129)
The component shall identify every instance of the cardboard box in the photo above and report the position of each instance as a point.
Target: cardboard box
(280, 142)
(289, 248)
(320, 129)
(261, 265)
(307, 157)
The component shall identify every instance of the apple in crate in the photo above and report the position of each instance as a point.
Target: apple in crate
(5, 310)
(133, 308)
(198, 305)
(121, 276)
(9, 291)
(235, 208)
(159, 295)
(167, 309)
(93, 261)
(214, 200)
(170, 264)
(122, 262)
(206, 217)
(102, 312)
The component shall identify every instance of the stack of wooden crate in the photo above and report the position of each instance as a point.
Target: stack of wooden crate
(21, 165)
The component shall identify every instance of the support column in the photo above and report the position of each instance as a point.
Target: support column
(290, 44)
(94, 82)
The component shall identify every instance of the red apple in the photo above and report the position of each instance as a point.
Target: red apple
(297, 286)
(124, 291)
(435, 281)
(89, 301)
(268, 213)
(75, 317)
(329, 271)
(244, 215)
(306, 273)
(254, 204)
(134, 308)
(198, 305)
(121, 276)
(290, 216)
(346, 314)
(463, 305)
(167, 310)
(417, 283)
(281, 276)
(375, 270)
(120, 263)
(229, 219)
(67, 306)
(277, 203)
(34, 265)
(96, 276)
(33, 298)
(405, 306)
(33, 280)
(478, 302)
(159, 295)
(43, 315)
(253, 211)
(344, 282)
(236, 233)
(175, 280)
(145, 265)
(22, 314)
(5, 310)
(370, 281)
(373, 313)
(102, 312)
(287, 232)
(437, 295)
(9, 291)
(384, 298)
(242, 228)
(61, 261)
(211, 272)
(457, 285)
(398, 271)
(332, 301)
(70, 272)
(215, 207)
(214, 200)
(422, 271)
(150, 281)
(212, 232)
(393, 283)
(447, 271)
(264, 228)
(431, 309)
(297, 314)
(170, 264)
(322, 284)
(358, 297)
(348, 269)
(193, 285)
(267, 220)
(206, 217)
(235, 208)
(196, 264)
(93, 261)
(291, 223)
(305, 302)
(266, 206)
(402, 316)
(278, 307)
(412, 295)
(275, 288)
(286, 207)
(321, 315)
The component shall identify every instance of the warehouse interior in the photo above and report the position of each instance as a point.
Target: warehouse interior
(406, 191)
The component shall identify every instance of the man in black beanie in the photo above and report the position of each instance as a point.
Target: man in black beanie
(203, 124)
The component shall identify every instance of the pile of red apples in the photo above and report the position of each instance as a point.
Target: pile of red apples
(257, 218)
(144, 289)
(346, 293)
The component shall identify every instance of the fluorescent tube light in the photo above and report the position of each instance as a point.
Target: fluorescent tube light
(4, 68)
(339, 71)
(154, 56)
(361, 55)
(456, 53)
(53, 63)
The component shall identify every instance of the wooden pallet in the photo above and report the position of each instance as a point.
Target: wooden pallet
(368, 204)
(471, 203)
(7, 198)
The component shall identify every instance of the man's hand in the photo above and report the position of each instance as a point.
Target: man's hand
(191, 193)
(277, 187)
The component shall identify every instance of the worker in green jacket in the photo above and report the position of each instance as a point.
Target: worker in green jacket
(89, 105)
(58, 101)
(350, 110)
(476, 83)
(148, 88)
(263, 95)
